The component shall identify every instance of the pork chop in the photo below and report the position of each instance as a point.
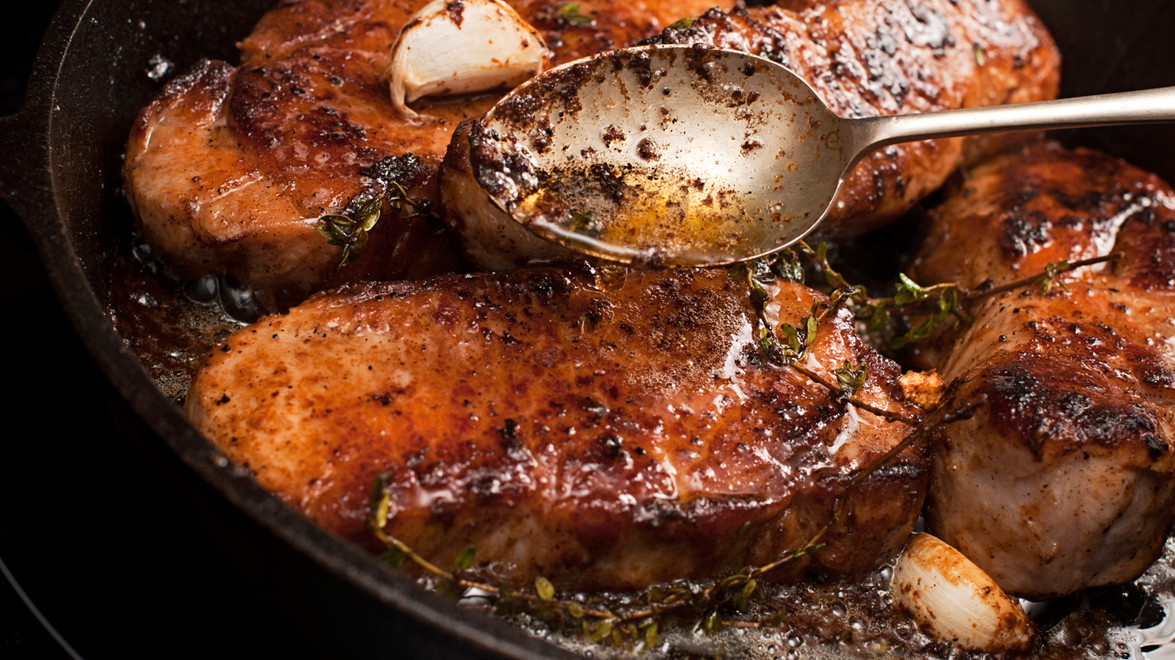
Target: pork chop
(229, 169)
(1065, 479)
(607, 430)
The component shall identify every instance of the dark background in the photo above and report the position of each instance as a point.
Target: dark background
(88, 535)
(30, 380)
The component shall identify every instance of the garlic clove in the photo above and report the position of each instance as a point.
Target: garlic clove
(955, 600)
(462, 46)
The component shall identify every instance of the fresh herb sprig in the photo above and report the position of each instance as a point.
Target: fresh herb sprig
(626, 626)
(351, 232)
(570, 14)
(787, 345)
(408, 206)
(945, 303)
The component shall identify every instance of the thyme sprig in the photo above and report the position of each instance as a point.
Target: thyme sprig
(709, 605)
(845, 397)
(408, 206)
(945, 303)
(570, 14)
(351, 232)
(942, 299)
(397, 552)
(787, 345)
(819, 257)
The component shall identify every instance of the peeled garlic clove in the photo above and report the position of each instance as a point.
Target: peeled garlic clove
(955, 600)
(462, 46)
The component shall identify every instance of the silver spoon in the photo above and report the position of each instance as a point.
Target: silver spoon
(676, 155)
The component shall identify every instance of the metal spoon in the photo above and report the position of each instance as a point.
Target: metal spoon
(683, 156)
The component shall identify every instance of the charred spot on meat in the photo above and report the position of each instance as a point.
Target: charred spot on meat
(1079, 414)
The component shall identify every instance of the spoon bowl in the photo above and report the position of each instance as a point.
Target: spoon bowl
(669, 155)
(685, 156)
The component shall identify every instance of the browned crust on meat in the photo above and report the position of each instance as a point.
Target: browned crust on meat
(606, 431)
(1079, 383)
(291, 131)
(1015, 214)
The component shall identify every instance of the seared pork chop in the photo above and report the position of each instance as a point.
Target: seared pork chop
(606, 430)
(864, 58)
(229, 168)
(1066, 478)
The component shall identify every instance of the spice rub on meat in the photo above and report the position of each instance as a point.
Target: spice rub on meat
(606, 429)
(864, 58)
(229, 168)
(1065, 479)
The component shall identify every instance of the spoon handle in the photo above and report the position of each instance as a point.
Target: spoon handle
(1141, 107)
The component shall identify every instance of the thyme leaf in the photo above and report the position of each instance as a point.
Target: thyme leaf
(742, 531)
(851, 379)
(682, 24)
(464, 560)
(651, 635)
(909, 291)
(877, 315)
(810, 549)
(368, 214)
(1052, 277)
(712, 622)
(378, 503)
(544, 588)
(570, 14)
(597, 631)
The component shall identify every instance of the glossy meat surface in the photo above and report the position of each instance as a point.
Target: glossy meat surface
(229, 168)
(604, 429)
(1065, 479)
(864, 58)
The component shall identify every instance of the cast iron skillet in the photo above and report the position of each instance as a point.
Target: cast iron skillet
(90, 80)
